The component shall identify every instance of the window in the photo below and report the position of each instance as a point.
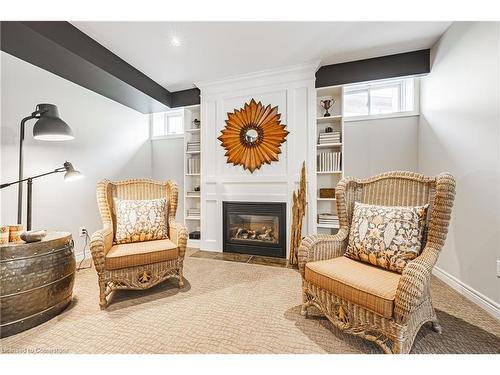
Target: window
(380, 98)
(166, 124)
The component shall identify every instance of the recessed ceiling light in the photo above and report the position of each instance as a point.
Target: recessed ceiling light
(176, 42)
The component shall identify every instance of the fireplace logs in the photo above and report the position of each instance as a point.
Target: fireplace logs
(266, 233)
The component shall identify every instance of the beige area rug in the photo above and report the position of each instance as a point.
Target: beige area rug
(230, 307)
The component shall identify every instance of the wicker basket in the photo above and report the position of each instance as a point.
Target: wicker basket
(15, 233)
(327, 193)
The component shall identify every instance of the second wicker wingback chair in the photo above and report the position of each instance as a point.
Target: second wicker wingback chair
(138, 265)
(403, 309)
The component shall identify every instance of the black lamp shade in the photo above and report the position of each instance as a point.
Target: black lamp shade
(49, 126)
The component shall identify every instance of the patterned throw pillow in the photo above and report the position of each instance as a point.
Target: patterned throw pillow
(387, 237)
(140, 220)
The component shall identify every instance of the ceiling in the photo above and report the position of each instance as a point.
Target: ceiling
(217, 50)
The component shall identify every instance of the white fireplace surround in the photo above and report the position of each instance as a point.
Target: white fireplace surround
(292, 90)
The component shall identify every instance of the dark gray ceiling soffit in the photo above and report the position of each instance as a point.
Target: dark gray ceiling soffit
(62, 49)
(185, 98)
(390, 66)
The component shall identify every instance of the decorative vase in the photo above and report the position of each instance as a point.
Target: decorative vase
(196, 123)
(327, 104)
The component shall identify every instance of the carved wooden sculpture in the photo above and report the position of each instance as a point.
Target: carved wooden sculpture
(253, 135)
(298, 212)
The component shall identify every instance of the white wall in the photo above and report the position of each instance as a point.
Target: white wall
(459, 133)
(168, 164)
(111, 141)
(380, 145)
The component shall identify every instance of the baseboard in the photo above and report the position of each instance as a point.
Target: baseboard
(487, 304)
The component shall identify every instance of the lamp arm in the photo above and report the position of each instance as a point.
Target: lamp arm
(58, 170)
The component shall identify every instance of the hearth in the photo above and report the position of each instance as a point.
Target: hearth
(255, 228)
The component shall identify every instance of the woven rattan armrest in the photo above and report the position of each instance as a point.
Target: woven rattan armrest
(100, 243)
(178, 234)
(413, 287)
(321, 247)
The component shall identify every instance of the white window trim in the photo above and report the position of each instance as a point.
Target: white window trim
(166, 136)
(416, 101)
(169, 136)
(381, 116)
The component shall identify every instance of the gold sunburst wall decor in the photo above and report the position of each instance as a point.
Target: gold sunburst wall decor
(253, 135)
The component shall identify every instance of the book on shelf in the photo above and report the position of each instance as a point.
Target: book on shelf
(194, 212)
(329, 219)
(193, 146)
(331, 137)
(329, 161)
(328, 216)
(193, 165)
(332, 134)
(192, 193)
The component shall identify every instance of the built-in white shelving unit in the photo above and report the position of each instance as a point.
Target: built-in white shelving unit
(329, 132)
(192, 168)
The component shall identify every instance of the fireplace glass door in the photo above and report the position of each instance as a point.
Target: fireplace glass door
(255, 228)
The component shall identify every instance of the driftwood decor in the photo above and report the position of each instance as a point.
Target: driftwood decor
(299, 204)
(253, 135)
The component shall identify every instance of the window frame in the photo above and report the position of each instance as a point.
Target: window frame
(385, 83)
(165, 116)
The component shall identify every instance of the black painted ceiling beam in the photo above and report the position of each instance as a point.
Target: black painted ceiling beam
(64, 50)
(390, 66)
(186, 98)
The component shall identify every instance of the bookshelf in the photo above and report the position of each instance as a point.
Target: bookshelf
(329, 150)
(192, 168)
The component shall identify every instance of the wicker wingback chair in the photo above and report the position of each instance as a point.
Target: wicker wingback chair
(405, 306)
(138, 265)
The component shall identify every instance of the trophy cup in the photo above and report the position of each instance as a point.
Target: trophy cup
(327, 104)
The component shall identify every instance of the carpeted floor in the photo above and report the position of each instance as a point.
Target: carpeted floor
(230, 307)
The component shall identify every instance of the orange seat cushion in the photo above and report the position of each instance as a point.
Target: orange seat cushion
(140, 253)
(367, 286)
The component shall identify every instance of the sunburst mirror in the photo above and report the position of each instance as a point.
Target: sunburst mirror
(253, 135)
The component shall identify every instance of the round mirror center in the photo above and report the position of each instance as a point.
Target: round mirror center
(251, 135)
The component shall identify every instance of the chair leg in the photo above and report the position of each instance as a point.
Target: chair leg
(305, 304)
(398, 348)
(181, 278)
(103, 303)
(436, 326)
(303, 309)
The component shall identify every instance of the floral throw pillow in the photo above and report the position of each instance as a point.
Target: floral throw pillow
(140, 220)
(387, 237)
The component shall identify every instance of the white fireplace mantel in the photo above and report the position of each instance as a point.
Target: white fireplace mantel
(292, 90)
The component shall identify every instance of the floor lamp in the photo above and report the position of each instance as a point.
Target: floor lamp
(71, 174)
(49, 127)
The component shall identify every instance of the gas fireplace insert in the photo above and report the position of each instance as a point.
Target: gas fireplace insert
(256, 228)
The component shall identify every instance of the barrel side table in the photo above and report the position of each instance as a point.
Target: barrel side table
(36, 281)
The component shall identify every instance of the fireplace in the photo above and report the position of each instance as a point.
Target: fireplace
(254, 228)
